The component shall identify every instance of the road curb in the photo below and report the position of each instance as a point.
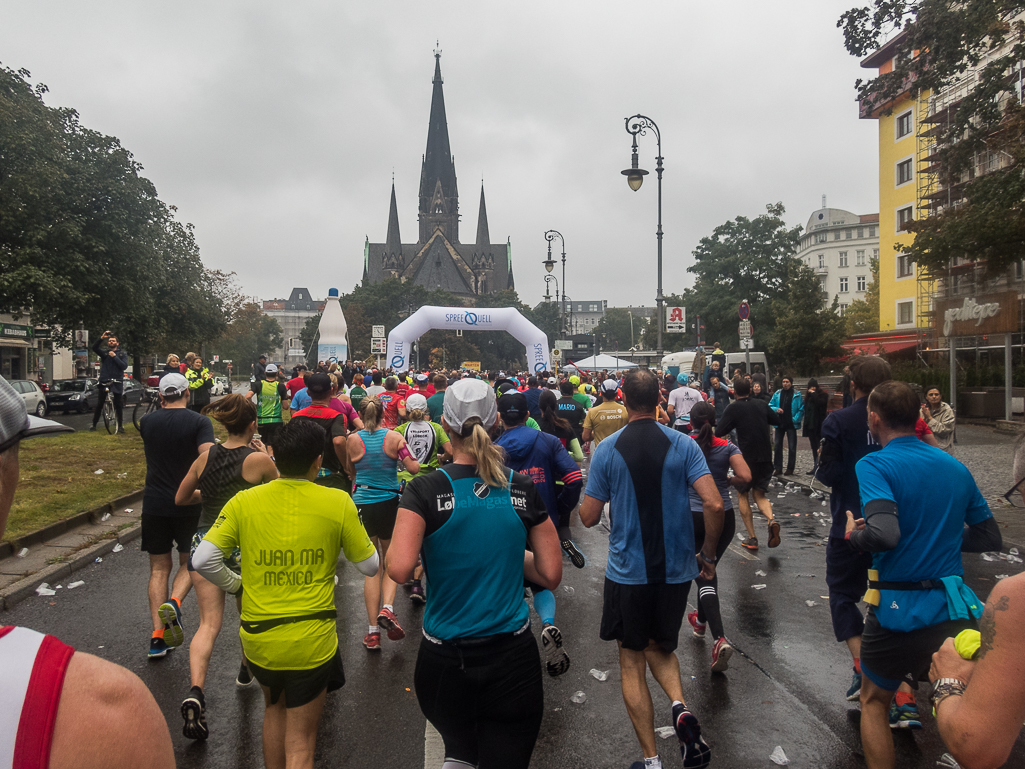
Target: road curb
(26, 587)
(8, 549)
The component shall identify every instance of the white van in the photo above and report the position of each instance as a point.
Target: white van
(735, 360)
(675, 362)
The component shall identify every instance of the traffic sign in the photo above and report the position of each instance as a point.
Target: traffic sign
(676, 319)
(747, 344)
(377, 331)
(745, 310)
(556, 353)
(564, 344)
(378, 346)
(744, 329)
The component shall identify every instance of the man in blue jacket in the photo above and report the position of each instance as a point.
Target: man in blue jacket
(543, 458)
(787, 402)
(113, 363)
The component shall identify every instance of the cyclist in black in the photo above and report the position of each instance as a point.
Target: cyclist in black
(113, 363)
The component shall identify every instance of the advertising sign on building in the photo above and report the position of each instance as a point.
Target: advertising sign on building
(978, 315)
(472, 365)
(676, 319)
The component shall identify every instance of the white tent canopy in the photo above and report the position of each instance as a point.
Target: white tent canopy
(602, 362)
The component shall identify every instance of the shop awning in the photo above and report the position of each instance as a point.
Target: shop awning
(12, 342)
(873, 344)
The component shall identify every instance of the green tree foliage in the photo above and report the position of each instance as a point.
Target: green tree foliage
(84, 239)
(862, 315)
(616, 330)
(803, 330)
(742, 259)
(546, 317)
(250, 334)
(941, 43)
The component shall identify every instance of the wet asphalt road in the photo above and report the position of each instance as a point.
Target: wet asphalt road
(785, 687)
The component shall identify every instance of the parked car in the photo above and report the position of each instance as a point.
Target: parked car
(32, 394)
(132, 392)
(222, 386)
(72, 395)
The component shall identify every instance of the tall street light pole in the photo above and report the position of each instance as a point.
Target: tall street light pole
(549, 263)
(640, 125)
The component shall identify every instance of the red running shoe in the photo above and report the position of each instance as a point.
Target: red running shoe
(387, 620)
(372, 641)
(699, 627)
(721, 653)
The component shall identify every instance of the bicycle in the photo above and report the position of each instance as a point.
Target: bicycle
(150, 401)
(109, 412)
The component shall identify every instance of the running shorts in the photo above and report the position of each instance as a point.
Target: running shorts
(233, 561)
(378, 518)
(635, 615)
(301, 687)
(160, 533)
(889, 657)
(267, 431)
(761, 477)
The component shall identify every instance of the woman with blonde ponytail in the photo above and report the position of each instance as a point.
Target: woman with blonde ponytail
(473, 521)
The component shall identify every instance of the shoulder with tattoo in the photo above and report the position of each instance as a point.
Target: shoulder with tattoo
(1004, 615)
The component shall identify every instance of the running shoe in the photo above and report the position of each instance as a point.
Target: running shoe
(157, 648)
(194, 713)
(387, 620)
(773, 533)
(699, 627)
(170, 614)
(556, 659)
(416, 594)
(751, 543)
(905, 716)
(695, 751)
(244, 677)
(854, 693)
(372, 641)
(575, 556)
(721, 653)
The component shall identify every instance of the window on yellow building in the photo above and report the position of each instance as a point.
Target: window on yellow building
(905, 267)
(904, 217)
(904, 171)
(905, 313)
(904, 124)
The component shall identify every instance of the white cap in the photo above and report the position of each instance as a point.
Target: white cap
(415, 402)
(552, 380)
(15, 423)
(469, 398)
(610, 385)
(421, 378)
(173, 384)
(271, 369)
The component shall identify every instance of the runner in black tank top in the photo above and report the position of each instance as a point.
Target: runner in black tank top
(214, 478)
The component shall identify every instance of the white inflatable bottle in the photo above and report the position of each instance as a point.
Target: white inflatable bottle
(332, 347)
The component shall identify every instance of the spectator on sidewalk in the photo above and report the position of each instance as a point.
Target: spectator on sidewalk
(113, 363)
(788, 403)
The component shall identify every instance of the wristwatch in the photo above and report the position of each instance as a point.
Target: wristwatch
(706, 559)
(946, 687)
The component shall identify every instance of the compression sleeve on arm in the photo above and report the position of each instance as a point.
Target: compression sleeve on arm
(208, 560)
(369, 566)
(882, 529)
(575, 451)
(982, 537)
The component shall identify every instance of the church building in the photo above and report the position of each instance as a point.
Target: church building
(438, 259)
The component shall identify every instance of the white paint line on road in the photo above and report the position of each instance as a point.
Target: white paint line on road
(434, 748)
(744, 552)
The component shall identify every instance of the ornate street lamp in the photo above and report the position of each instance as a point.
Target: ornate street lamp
(639, 125)
(549, 264)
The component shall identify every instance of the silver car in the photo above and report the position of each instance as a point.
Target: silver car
(32, 394)
(222, 386)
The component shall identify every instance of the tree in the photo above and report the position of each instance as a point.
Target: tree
(249, 335)
(804, 331)
(546, 317)
(862, 315)
(979, 153)
(750, 259)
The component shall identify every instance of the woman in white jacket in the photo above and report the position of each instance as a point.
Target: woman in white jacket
(940, 418)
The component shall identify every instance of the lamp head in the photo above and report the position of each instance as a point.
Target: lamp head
(549, 263)
(635, 177)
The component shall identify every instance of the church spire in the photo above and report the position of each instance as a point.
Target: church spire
(393, 245)
(483, 238)
(439, 197)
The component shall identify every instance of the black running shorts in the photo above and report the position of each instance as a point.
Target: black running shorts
(268, 431)
(761, 477)
(160, 533)
(635, 615)
(379, 517)
(889, 657)
(301, 687)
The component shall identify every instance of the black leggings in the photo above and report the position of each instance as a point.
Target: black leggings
(486, 701)
(708, 590)
(814, 438)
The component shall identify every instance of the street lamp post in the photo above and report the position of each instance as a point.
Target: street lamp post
(549, 264)
(640, 125)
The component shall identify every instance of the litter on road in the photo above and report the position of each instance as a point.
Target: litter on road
(23, 552)
(759, 587)
(77, 583)
(779, 757)
(117, 548)
(44, 589)
(601, 675)
(665, 732)
(579, 697)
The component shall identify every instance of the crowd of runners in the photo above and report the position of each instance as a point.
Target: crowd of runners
(464, 487)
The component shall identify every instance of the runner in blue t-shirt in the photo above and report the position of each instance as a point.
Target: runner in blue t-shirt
(645, 472)
(916, 502)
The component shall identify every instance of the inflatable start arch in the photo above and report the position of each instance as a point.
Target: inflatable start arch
(401, 338)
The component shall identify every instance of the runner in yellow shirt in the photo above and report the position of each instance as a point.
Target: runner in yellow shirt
(607, 417)
(291, 531)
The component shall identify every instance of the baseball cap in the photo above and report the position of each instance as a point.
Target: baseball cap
(271, 369)
(416, 402)
(610, 386)
(552, 380)
(173, 384)
(421, 378)
(16, 424)
(512, 404)
(469, 398)
(682, 378)
(506, 387)
(318, 384)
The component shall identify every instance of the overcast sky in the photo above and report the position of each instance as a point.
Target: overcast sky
(275, 127)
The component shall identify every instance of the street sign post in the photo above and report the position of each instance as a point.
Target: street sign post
(563, 344)
(744, 329)
(377, 331)
(676, 319)
(746, 342)
(745, 310)
(378, 346)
